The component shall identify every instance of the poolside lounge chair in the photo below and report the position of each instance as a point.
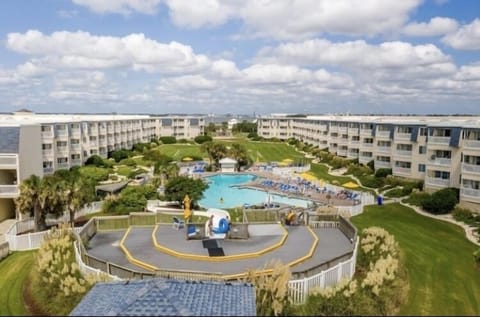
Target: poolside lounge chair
(177, 223)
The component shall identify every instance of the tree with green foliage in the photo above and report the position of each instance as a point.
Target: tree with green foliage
(211, 128)
(176, 189)
(95, 160)
(239, 153)
(168, 139)
(119, 155)
(245, 127)
(442, 201)
(28, 201)
(76, 191)
(202, 139)
(130, 199)
(40, 196)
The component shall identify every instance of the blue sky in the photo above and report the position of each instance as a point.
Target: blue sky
(240, 56)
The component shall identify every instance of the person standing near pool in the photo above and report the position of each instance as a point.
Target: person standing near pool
(210, 226)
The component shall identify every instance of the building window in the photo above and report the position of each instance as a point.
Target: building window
(46, 146)
(421, 168)
(423, 131)
(422, 149)
(46, 128)
(406, 130)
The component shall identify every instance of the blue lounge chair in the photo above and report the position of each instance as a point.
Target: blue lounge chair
(177, 223)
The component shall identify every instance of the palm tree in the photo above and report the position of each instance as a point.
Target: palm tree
(76, 193)
(239, 153)
(207, 147)
(28, 201)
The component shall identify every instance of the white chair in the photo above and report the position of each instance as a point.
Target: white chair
(177, 223)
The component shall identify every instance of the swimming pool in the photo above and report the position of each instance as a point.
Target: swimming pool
(220, 188)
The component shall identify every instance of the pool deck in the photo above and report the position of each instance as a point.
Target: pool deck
(299, 242)
(308, 195)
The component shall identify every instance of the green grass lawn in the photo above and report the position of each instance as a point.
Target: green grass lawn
(443, 277)
(13, 272)
(321, 172)
(179, 151)
(264, 151)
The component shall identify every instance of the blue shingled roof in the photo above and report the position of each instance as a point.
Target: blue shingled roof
(168, 297)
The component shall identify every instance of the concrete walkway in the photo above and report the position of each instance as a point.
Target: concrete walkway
(4, 226)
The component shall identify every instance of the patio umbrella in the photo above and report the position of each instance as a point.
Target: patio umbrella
(187, 159)
(287, 160)
(350, 185)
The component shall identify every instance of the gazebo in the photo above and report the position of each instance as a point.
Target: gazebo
(228, 165)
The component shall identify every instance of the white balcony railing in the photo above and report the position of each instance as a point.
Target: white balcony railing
(8, 190)
(342, 152)
(435, 181)
(382, 164)
(383, 134)
(403, 136)
(470, 192)
(471, 144)
(63, 165)
(8, 161)
(439, 140)
(365, 131)
(440, 161)
(403, 153)
(470, 168)
(402, 170)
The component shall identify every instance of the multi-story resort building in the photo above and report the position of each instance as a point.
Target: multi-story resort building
(43, 143)
(443, 151)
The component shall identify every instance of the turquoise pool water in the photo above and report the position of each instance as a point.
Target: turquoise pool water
(220, 188)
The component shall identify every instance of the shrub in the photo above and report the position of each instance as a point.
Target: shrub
(442, 201)
(202, 139)
(60, 279)
(358, 170)
(383, 172)
(183, 141)
(378, 287)
(140, 147)
(371, 181)
(465, 215)
(128, 162)
(95, 160)
(119, 155)
(271, 289)
(252, 135)
(417, 199)
(168, 139)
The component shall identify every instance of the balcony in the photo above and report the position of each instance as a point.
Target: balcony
(471, 144)
(367, 132)
(403, 136)
(438, 182)
(402, 170)
(444, 140)
(470, 168)
(47, 134)
(384, 149)
(62, 149)
(342, 152)
(382, 164)
(77, 162)
(47, 153)
(403, 153)
(383, 134)
(75, 146)
(75, 132)
(63, 165)
(470, 193)
(352, 155)
(367, 145)
(48, 170)
(440, 161)
(8, 161)
(342, 129)
(9, 191)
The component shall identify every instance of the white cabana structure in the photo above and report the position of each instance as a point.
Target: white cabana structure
(228, 165)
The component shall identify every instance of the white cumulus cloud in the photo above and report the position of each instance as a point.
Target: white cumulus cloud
(435, 27)
(125, 7)
(465, 38)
